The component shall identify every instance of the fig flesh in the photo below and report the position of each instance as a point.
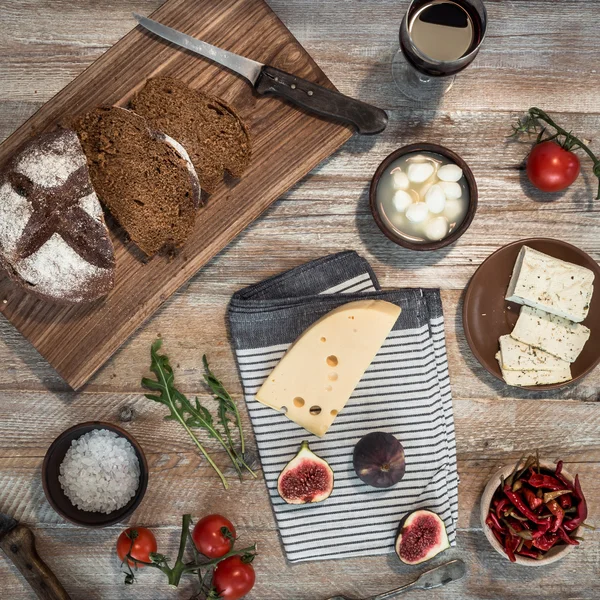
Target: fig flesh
(422, 535)
(306, 478)
(379, 459)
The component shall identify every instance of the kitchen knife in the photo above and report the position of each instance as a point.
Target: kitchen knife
(18, 543)
(268, 80)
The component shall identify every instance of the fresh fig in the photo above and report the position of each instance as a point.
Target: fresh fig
(379, 459)
(421, 536)
(306, 478)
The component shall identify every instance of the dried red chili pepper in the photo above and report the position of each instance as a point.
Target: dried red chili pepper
(530, 553)
(520, 505)
(510, 544)
(545, 481)
(558, 474)
(499, 537)
(546, 541)
(493, 523)
(501, 506)
(533, 501)
(565, 501)
(582, 511)
(542, 529)
(558, 512)
(562, 534)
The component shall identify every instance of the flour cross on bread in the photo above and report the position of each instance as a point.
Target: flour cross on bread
(58, 210)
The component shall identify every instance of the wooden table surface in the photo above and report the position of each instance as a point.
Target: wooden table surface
(537, 53)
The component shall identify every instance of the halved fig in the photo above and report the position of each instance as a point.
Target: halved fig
(306, 478)
(421, 536)
(379, 459)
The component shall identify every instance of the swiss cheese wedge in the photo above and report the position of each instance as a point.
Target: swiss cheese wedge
(319, 372)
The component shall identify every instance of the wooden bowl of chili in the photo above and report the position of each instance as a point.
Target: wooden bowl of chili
(504, 510)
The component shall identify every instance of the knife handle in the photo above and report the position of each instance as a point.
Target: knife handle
(19, 546)
(366, 118)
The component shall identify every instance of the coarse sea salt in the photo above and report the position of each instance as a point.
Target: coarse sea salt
(100, 472)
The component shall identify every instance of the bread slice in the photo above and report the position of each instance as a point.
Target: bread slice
(209, 129)
(53, 239)
(144, 177)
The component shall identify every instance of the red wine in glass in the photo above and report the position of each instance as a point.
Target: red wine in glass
(438, 38)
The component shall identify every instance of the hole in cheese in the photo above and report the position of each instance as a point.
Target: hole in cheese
(283, 409)
(332, 361)
(315, 410)
(328, 388)
(323, 339)
(332, 376)
(299, 402)
(334, 412)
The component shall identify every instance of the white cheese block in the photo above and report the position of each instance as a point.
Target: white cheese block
(555, 335)
(553, 285)
(317, 375)
(542, 377)
(517, 356)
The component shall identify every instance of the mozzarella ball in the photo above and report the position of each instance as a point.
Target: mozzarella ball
(401, 200)
(435, 199)
(450, 173)
(417, 213)
(420, 172)
(454, 209)
(436, 229)
(451, 189)
(399, 179)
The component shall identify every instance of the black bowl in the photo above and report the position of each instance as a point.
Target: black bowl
(54, 492)
(458, 231)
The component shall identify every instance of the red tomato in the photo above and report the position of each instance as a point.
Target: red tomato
(551, 168)
(138, 542)
(209, 537)
(233, 578)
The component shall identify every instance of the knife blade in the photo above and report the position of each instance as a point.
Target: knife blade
(18, 543)
(267, 80)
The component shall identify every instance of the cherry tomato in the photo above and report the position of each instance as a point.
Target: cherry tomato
(138, 542)
(551, 168)
(233, 578)
(209, 537)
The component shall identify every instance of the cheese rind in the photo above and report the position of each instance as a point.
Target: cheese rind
(540, 377)
(517, 356)
(550, 284)
(317, 375)
(555, 335)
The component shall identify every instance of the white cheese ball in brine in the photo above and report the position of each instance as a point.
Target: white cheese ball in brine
(450, 173)
(417, 213)
(435, 199)
(451, 189)
(401, 200)
(399, 179)
(436, 229)
(454, 209)
(420, 172)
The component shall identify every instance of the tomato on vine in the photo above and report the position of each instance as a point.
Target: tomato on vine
(213, 536)
(233, 578)
(139, 543)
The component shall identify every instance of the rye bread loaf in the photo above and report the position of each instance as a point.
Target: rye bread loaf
(53, 239)
(215, 137)
(144, 177)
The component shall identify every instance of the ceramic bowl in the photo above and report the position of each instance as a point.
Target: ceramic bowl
(54, 492)
(554, 554)
(458, 231)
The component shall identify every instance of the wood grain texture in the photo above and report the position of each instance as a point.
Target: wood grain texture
(538, 52)
(286, 144)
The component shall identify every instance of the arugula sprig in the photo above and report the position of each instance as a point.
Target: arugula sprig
(195, 416)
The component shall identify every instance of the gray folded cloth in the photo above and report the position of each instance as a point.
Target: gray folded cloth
(405, 392)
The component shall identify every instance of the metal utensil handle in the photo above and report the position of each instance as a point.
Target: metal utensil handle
(366, 118)
(394, 593)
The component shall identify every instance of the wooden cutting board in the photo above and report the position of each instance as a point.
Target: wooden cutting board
(287, 144)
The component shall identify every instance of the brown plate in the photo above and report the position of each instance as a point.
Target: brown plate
(54, 492)
(487, 315)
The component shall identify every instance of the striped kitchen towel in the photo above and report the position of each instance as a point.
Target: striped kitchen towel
(405, 392)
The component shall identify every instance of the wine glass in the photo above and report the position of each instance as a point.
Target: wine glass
(422, 77)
